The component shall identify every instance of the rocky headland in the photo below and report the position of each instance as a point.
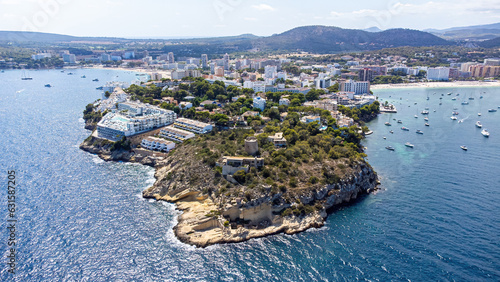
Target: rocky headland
(220, 209)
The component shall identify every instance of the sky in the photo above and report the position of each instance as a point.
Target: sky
(204, 18)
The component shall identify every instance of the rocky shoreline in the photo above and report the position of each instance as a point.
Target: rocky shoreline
(209, 219)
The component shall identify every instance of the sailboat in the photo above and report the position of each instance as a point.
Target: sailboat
(25, 77)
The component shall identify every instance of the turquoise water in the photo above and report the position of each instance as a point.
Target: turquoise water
(436, 217)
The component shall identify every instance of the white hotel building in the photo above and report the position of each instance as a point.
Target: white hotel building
(132, 119)
(176, 134)
(358, 87)
(193, 125)
(157, 144)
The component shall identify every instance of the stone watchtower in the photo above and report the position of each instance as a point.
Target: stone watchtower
(251, 146)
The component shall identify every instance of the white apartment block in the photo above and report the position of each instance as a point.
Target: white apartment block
(440, 73)
(193, 125)
(358, 87)
(259, 103)
(132, 119)
(157, 144)
(176, 134)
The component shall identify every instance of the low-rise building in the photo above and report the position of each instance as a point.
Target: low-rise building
(284, 101)
(231, 165)
(193, 125)
(277, 139)
(157, 144)
(185, 105)
(309, 119)
(176, 134)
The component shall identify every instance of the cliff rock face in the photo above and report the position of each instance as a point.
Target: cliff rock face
(102, 148)
(208, 220)
(213, 215)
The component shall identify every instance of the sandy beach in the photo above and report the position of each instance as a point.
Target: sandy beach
(444, 84)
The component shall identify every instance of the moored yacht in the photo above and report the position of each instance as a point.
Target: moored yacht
(405, 128)
(478, 124)
(485, 133)
(463, 147)
(419, 131)
(390, 148)
(409, 145)
(454, 118)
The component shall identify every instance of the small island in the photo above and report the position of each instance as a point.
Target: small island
(241, 174)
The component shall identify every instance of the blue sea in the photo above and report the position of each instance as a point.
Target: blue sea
(435, 218)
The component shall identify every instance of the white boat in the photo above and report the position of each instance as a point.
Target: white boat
(426, 124)
(416, 116)
(454, 98)
(454, 118)
(390, 148)
(419, 131)
(485, 133)
(408, 144)
(388, 123)
(425, 112)
(405, 128)
(479, 114)
(464, 148)
(478, 124)
(399, 121)
(426, 118)
(465, 103)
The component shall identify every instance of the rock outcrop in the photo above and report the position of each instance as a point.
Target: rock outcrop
(213, 215)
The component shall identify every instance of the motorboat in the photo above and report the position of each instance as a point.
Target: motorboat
(485, 133)
(479, 114)
(465, 103)
(83, 76)
(416, 116)
(390, 148)
(455, 113)
(426, 118)
(405, 128)
(95, 79)
(48, 85)
(419, 131)
(425, 112)
(492, 110)
(399, 121)
(391, 132)
(454, 98)
(464, 148)
(426, 124)
(454, 118)
(478, 124)
(388, 123)
(409, 145)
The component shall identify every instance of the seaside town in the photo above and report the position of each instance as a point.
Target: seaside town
(230, 93)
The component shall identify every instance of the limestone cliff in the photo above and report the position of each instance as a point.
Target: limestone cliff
(218, 211)
(211, 218)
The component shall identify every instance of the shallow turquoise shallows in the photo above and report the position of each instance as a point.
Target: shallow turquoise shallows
(436, 218)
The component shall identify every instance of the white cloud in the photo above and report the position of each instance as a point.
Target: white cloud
(263, 7)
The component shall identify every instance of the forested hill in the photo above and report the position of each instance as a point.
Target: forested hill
(326, 39)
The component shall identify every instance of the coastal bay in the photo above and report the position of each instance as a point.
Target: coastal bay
(435, 216)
